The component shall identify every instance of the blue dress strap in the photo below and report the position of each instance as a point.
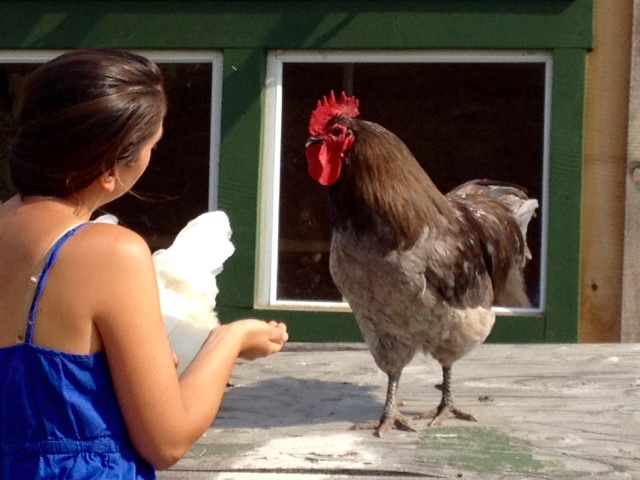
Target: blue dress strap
(40, 278)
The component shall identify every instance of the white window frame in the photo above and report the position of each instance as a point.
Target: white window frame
(163, 56)
(268, 228)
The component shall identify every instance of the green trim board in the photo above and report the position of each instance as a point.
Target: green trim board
(240, 151)
(246, 30)
(297, 24)
(565, 196)
(307, 326)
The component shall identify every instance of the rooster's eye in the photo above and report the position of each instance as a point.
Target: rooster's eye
(336, 131)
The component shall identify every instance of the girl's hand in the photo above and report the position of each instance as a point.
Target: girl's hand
(260, 338)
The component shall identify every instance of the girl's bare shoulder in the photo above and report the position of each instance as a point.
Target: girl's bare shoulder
(112, 267)
(113, 238)
(109, 246)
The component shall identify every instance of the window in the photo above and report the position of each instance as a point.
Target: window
(182, 179)
(463, 114)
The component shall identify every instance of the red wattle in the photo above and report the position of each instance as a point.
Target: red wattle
(323, 167)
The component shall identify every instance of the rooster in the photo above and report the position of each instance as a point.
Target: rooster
(419, 269)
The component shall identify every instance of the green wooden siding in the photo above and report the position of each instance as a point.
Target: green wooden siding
(565, 191)
(297, 24)
(246, 30)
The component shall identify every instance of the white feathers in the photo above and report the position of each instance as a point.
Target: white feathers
(525, 212)
(186, 274)
(107, 218)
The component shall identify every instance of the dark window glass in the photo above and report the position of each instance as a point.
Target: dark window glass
(461, 121)
(175, 187)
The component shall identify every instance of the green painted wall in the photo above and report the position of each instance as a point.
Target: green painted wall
(297, 24)
(246, 30)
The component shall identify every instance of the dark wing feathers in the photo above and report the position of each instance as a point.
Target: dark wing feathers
(487, 240)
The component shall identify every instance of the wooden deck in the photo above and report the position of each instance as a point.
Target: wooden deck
(544, 411)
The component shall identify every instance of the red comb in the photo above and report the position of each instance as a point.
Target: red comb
(330, 107)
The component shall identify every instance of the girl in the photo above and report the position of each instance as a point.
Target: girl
(88, 381)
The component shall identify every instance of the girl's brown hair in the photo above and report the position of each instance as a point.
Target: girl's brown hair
(82, 114)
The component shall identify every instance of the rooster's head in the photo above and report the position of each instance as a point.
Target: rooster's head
(330, 139)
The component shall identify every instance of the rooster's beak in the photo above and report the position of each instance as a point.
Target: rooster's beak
(311, 141)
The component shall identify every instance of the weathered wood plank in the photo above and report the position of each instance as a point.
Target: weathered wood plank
(630, 324)
(605, 150)
(545, 411)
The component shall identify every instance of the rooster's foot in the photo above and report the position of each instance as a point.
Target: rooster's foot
(387, 422)
(444, 412)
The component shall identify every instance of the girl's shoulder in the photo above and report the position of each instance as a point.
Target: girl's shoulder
(110, 238)
(107, 248)
(111, 266)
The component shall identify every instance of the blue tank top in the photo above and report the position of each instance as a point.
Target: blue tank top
(59, 416)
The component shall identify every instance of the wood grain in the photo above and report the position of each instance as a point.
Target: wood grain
(545, 412)
(606, 116)
(630, 328)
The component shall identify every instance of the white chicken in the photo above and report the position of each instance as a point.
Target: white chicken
(186, 274)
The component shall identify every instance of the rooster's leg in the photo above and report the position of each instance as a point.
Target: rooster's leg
(391, 417)
(446, 409)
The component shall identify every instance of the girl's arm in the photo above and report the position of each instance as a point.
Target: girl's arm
(164, 414)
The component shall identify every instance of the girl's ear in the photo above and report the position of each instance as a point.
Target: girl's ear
(108, 180)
